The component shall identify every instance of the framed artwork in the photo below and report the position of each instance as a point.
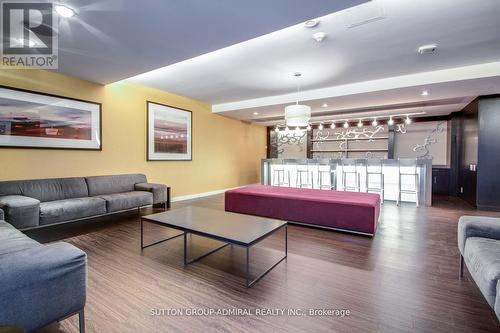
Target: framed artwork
(35, 120)
(169, 133)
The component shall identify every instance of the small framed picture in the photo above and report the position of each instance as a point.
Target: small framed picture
(169, 133)
(30, 119)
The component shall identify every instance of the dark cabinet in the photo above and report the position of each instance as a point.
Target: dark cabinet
(441, 181)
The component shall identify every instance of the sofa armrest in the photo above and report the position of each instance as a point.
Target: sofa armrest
(2, 215)
(477, 226)
(20, 211)
(159, 191)
(42, 284)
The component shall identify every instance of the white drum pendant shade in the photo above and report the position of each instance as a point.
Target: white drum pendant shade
(297, 115)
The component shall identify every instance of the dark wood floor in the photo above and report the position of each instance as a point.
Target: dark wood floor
(402, 280)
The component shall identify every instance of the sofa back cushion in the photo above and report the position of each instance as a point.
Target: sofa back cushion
(99, 185)
(47, 189)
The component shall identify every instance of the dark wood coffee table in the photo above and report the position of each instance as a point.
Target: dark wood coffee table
(230, 228)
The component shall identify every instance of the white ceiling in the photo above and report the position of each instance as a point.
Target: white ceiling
(373, 65)
(109, 40)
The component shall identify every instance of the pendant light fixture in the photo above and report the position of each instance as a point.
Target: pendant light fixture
(297, 114)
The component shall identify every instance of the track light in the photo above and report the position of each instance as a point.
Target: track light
(360, 123)
(332, 125)
(320, 126)
(407, 120)
(346, 124)
(374, 122)
(390, 122)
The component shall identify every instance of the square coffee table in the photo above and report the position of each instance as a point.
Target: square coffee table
(230, 228)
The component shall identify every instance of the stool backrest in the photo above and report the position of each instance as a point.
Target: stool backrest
(374, 165)
(407, 166)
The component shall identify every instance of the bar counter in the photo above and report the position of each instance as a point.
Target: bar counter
(390, 169)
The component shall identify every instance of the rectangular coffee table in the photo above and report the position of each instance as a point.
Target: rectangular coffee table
(231, 228)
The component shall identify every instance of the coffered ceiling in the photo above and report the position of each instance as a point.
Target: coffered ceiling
(367, 63)
(110, 40)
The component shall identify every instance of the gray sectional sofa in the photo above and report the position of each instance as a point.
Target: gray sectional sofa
(479, 245)
(40, 284)
(29, 204)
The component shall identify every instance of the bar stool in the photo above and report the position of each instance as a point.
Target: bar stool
(374, 168)
(349, 168)
(327, 176)
(279, 174)
(304, 175)
(408, 169)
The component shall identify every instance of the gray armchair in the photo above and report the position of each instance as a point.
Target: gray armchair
(479, 245)
(40, 284)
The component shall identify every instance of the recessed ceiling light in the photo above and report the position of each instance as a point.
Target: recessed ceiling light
(311, 23)
(324, 105)
(319, 36)
(64, 11)
(255, 113)
(425, 49)
(425, 93)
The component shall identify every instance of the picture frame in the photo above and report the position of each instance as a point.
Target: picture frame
(169, 133)
(35, 120)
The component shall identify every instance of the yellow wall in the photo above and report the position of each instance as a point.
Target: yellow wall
(226, 152)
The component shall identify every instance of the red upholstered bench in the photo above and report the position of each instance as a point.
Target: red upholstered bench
(348, 211)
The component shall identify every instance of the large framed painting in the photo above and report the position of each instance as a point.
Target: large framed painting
(34, 120)
(169, 133)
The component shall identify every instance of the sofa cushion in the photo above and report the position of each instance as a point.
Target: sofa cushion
(12, 240)
(47, 189)
(20, 211)
(98, 185)
(482, 256)
(70, 209)
(127, 200)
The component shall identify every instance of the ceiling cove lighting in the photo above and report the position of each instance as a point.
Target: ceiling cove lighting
(374, 122)
(390, 122)
(64, 11)
(407, 120)
(297, 114)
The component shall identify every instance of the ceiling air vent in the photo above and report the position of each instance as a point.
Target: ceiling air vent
(363, 14)
(427, 49)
